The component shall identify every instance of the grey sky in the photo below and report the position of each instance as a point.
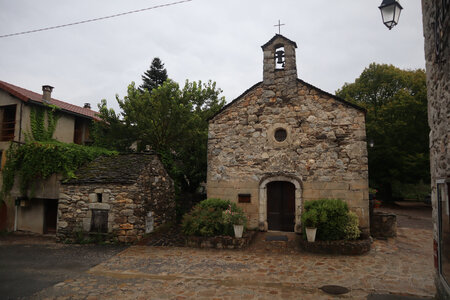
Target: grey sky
(198, 40)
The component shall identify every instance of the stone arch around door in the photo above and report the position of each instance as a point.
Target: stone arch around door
(263, 224)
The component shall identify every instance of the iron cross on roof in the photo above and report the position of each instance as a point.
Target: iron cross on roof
(279, 26)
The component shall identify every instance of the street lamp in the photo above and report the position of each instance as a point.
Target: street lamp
(371, 143)
(390, 12)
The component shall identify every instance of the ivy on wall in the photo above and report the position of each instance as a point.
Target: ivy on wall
(43, 123)
(42, 159)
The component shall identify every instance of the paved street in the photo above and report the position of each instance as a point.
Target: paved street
(29, 264)
(400, 266)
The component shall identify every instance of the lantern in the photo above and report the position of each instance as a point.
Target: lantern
(390, 12)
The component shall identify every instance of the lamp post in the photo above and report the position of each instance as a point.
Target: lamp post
(390, 12)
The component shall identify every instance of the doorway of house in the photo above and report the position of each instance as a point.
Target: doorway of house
(3, 215)
(281, 206)
(50, 215)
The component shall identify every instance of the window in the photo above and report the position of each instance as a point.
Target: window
(244, 198)
(8, 122)
(443, 199)
(280, 134)
(99, 197)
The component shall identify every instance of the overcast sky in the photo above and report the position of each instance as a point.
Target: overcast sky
(198, 40)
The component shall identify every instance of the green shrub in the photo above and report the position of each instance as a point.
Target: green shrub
(206, 218)
(332, 218)
(408, 191)
(352, 231)
(234, 216)
(310, 218)
(217, 204)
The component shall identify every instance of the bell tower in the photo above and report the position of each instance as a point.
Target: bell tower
(280, 69)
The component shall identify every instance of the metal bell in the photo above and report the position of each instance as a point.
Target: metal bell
(279, 55)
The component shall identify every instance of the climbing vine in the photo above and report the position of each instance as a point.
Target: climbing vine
(35, 160)
(41, 130)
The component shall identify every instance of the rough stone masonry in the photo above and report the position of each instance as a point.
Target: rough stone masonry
(122, 197)
(286, 130)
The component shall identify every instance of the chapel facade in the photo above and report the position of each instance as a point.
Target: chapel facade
(283, 142)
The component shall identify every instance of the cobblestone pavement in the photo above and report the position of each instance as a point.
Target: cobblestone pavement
(402, 266)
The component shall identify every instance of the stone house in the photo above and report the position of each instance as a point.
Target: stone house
(436, 24)
(38, 214)
(285, 141)
(125, 196)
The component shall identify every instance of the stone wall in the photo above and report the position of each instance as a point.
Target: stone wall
(128, 205)
(438, 73)
(221, 242)
(324, 153)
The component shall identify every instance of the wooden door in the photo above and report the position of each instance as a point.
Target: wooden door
(3, 215)
(50, 215)
(281, 205)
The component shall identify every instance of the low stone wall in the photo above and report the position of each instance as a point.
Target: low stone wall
(221, 242)
(383, 225)
(343, 247)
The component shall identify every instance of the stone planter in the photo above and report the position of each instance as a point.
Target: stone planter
(383, 225)
(238, 230)
(342, 247)
(311, 234)
(221, 242)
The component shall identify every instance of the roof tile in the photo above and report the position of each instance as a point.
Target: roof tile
(26, 95)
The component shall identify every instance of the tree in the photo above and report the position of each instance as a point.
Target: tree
(111, 133)
(154, 77)
(396, 121)
(173, 122)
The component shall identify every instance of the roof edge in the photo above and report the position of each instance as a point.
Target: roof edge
(34, 98)
(277, 36)
(13, 92)
(334, 96)
(31, 101)
(233, 101)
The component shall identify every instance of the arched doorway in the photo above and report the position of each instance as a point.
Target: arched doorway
(280, 206)
(3, 216)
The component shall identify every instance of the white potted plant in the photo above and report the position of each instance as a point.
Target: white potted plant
(236, 217)
(310, 221)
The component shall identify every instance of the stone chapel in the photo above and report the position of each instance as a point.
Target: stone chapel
(285, 141)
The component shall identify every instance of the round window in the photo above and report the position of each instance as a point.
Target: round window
(280, 134)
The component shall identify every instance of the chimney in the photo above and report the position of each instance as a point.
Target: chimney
(87, 105)
(47, 93)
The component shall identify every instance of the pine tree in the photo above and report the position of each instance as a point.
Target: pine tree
(155, 76)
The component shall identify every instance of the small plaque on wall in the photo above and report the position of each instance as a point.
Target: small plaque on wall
(244, 198)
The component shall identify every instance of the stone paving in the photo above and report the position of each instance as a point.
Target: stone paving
(402, 266)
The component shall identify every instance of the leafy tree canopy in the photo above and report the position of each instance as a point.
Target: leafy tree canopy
(171, 120)
(396, 121)
(155, 76)
(111, 133)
